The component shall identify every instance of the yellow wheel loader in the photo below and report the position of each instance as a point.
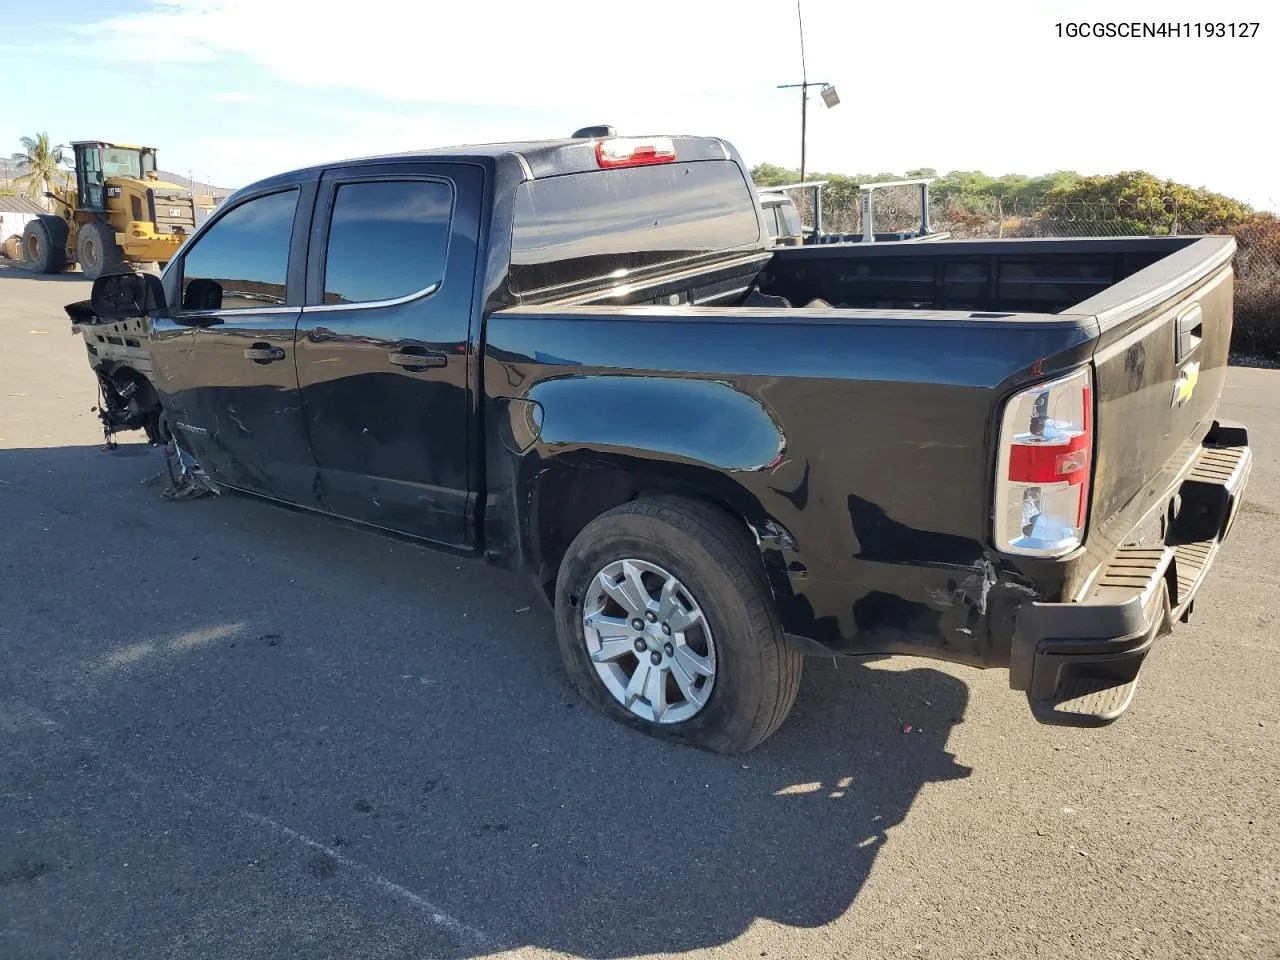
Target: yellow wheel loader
(119, 213)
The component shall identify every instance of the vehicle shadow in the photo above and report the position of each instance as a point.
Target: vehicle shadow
(13, 270)
(409, 709)
(652, 861)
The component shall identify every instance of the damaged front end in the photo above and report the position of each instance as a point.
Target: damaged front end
(127, 398)
(118, 356)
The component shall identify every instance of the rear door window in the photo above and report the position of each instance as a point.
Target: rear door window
(388, 239)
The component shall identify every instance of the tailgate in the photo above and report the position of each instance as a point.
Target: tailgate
(1160, 365)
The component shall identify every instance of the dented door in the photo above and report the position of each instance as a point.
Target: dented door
(382, 345)
(224, 360)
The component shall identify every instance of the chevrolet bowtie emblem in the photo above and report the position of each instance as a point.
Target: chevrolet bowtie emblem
(1185, 385)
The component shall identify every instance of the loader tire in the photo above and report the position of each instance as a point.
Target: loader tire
(98, 252)
(44, 245)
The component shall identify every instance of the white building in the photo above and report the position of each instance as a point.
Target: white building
(15, 212)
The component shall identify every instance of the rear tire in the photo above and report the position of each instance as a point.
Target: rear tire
(98, 252)
(44, 245)
(713, 561)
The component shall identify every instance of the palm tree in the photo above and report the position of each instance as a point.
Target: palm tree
(42, 163)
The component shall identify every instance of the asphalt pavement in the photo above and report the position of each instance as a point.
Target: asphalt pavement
(233, 731)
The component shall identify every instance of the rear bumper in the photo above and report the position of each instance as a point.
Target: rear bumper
(1079, 661)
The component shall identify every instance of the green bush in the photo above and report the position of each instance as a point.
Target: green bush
(973, 204)
(1145, 204)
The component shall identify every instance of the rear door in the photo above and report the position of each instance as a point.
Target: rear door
(382, 345)
(224, 359)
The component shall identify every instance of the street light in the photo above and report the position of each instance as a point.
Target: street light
(829, 96)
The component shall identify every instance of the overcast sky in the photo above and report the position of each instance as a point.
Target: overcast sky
(233, 90)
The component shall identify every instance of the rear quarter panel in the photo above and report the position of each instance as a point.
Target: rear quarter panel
(858, 445)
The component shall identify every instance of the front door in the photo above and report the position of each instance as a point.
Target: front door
(382, 345)
(89, 179)
(224, 360)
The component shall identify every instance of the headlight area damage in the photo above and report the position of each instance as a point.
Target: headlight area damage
(127, 398)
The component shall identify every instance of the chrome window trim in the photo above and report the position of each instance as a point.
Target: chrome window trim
(352, 178)
(226, 310)
(372, 304)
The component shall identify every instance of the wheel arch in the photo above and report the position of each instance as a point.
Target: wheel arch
(131, 399)
(585, 444)
(567, 492)
(57, 233)
(56, 225)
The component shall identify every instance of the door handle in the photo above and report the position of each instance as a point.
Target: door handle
(1190, 333)
(417, 361)
(263, 353)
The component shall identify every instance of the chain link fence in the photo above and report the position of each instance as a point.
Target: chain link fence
(1257, 263)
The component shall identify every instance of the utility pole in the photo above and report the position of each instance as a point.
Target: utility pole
(829, 96)
(804, 112)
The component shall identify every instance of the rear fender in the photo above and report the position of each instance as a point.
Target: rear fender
(59, 232)
(593, 442)
(705, 422)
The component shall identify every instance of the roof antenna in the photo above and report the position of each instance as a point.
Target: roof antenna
(590, 133)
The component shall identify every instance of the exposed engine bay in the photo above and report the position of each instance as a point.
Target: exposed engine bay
(118, 356)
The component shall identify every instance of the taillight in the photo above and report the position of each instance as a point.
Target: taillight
(630, 152)
(1044, 466)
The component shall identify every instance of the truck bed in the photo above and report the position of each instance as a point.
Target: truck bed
(1010, 276)
(1026, 276)
(885, 396)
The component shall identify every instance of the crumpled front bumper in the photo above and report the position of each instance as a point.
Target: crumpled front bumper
(1079, 661)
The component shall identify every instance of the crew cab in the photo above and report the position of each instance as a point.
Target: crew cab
(584, 359)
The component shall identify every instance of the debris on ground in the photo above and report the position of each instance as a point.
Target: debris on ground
(186, 481)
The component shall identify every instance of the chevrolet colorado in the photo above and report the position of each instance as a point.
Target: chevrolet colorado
(584, 359)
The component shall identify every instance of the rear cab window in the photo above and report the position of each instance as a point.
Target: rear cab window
(586, 226)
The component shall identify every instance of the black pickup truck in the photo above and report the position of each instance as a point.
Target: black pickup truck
(584, 359)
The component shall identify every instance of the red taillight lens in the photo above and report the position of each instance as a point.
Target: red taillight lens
(628, 152)
(1045, 463)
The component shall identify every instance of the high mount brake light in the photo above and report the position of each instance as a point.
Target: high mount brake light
(1044, 467)
(630, 152)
